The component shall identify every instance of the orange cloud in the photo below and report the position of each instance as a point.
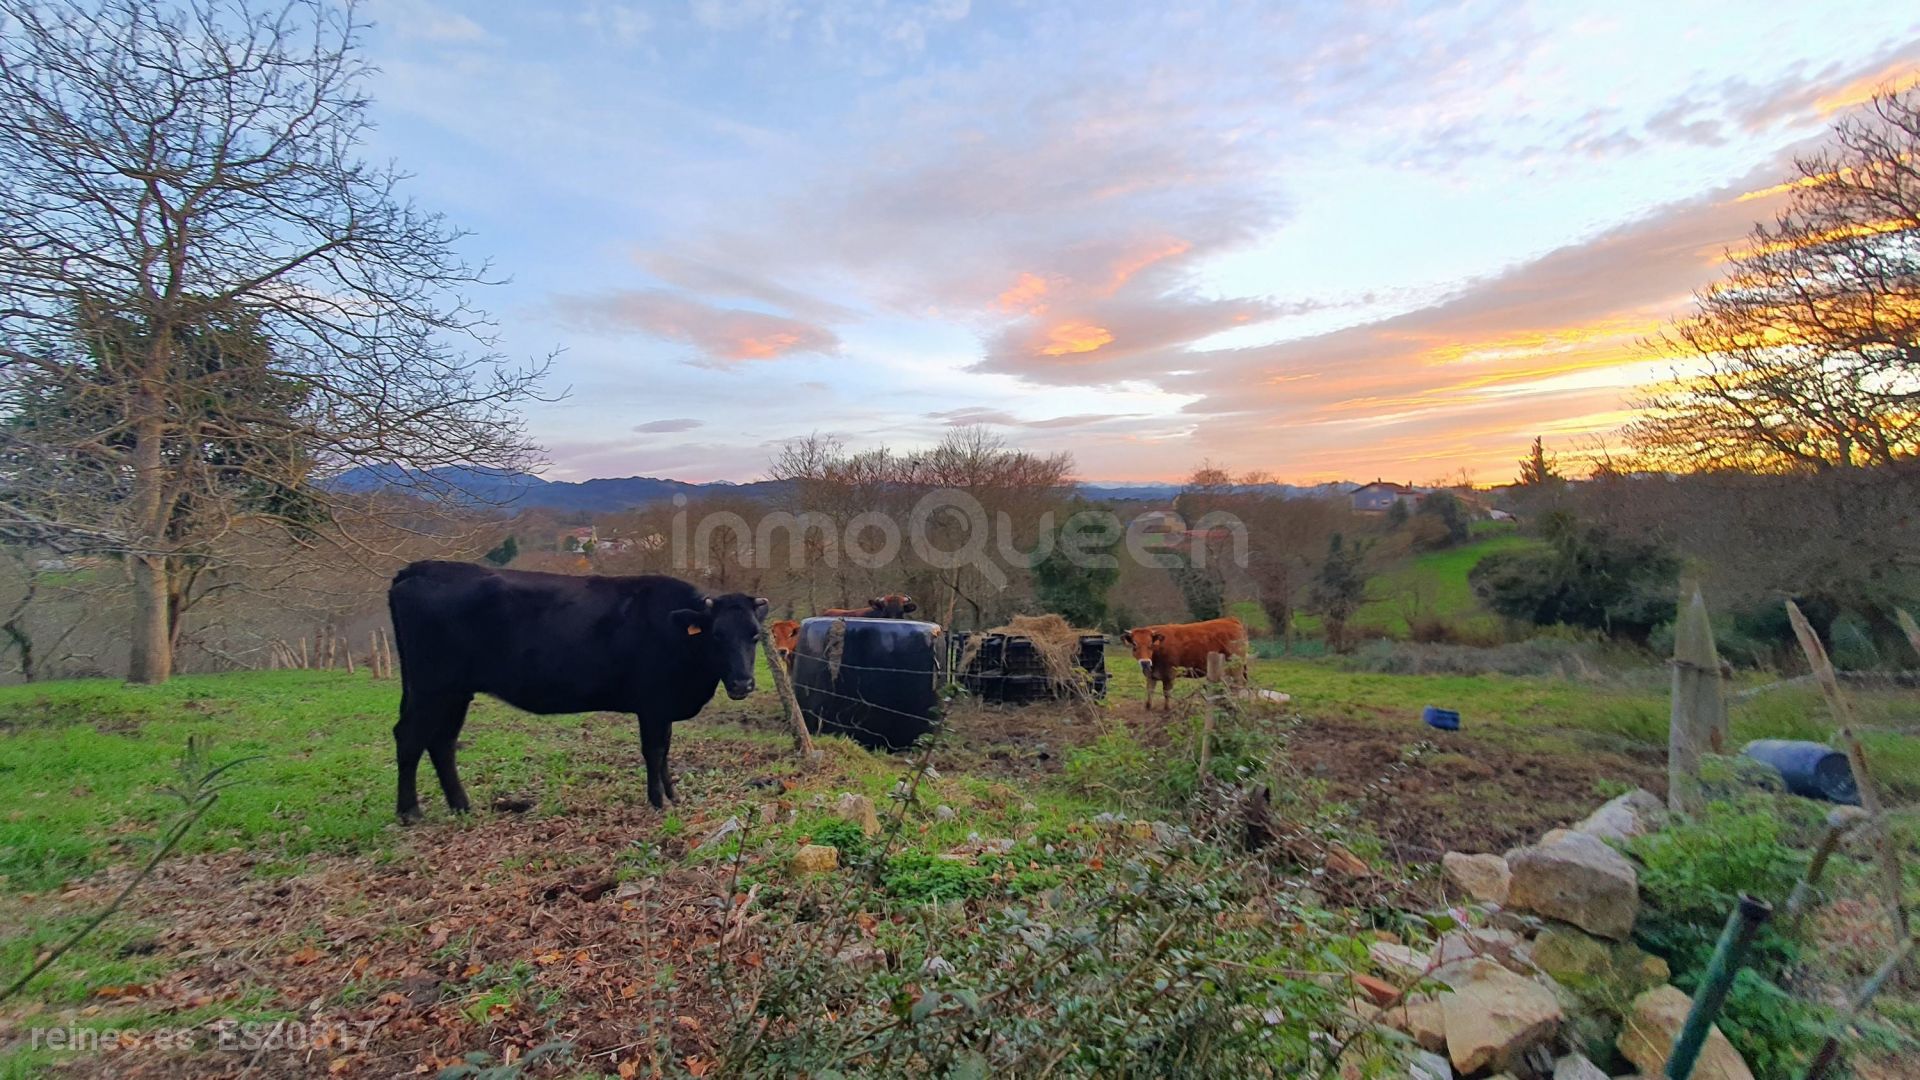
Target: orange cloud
(1844, 232)
(1025, 295)
(1075, 337)
(1892, 79)
(1124, 270)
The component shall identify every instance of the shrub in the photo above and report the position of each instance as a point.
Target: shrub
(1146, 973)
(1691, 878)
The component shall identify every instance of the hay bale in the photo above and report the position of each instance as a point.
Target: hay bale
(1055, 640)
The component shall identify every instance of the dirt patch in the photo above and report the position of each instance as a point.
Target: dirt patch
(500, 933)
(1426, 793)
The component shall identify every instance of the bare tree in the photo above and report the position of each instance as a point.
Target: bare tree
(1804, 357)
(209, 304)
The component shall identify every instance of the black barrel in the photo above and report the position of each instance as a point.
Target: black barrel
(1812, 770)
(876, 681)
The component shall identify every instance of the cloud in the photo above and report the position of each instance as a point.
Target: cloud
(1818, 95)
(423, 20)
(963, 417)
(657, 426)
(722, 335)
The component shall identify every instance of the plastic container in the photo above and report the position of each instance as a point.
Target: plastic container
(1009, 670)
(876, 681)
(1812, 770)
(1444, 719)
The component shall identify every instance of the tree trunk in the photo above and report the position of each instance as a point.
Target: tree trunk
(150, 656)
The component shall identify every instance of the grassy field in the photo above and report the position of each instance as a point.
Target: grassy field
(1434, 585)
(302, 858)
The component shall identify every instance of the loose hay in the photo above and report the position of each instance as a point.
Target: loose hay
(1056, 640)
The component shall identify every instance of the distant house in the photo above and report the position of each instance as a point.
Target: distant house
(1379, 497)
(583, 539)
(1160, 522)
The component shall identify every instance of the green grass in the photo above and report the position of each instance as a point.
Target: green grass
(1435, 583)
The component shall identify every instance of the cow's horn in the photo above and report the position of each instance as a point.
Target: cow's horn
(709, 603)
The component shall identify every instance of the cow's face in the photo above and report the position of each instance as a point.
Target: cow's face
(1142, 640)
(727, 628)
(786, 637)
(892, 607)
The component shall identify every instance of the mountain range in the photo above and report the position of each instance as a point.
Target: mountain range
(525, 491)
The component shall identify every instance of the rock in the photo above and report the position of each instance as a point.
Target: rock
(1577, 879)
(1345, 863)
(1483, 877)
(1606, 974)
(1457, 950)
(1169, 836)
(1379, 991)
(862, 956)
(859, 810)
(1429, 1066)
(974, 845)
(1624, 817)
(1575, 1067)
(1652, 1024)
(1493, 1017)
(769, 813)
(943, 812)
(1140, 830)
(1029, 808)
(1554, 836)
(1399, 959)
(1421, 1018)
(729, 827)
(815, 859)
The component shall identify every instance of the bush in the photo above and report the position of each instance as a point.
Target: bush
(1150, 971)
(1588, 576)
(1691, 877)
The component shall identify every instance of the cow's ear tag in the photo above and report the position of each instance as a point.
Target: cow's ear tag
(692, 630)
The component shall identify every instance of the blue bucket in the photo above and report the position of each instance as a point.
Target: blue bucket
(1812, 770)
(1444, 719)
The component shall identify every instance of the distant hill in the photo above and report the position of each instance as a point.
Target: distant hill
(525, 491)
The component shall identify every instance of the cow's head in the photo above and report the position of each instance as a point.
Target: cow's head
(727, 628)
(786, 637)
(891, 607)
(1142, 641)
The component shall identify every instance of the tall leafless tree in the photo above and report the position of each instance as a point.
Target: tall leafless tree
(209, 303)
(1807, 355)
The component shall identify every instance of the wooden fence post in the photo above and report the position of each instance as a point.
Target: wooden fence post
(1890, 879)
(1215, 697)
(789, 704)
(1697, 719)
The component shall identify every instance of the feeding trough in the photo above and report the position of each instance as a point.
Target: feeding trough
(1442, 719)
(1032, 658)
(876, 681)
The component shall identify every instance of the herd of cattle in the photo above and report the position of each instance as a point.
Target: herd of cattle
(652, 646)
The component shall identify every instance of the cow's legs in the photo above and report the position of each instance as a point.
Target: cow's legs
(409, 742)
(654, 736)
(451, 719)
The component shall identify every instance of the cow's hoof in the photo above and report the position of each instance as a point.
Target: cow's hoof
(461, 809)
(412, 816)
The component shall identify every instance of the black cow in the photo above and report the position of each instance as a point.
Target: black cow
(552, 643)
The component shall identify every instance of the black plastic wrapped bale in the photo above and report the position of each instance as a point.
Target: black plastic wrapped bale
(876, 681)
(1009, 670)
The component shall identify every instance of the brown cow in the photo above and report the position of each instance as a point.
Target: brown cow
(880, 607)
(1181, 649)
(786, 637)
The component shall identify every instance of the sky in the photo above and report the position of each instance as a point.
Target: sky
(1326, 241)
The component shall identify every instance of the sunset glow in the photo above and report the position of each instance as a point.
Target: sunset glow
(1323, 241)
(1071, 338)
